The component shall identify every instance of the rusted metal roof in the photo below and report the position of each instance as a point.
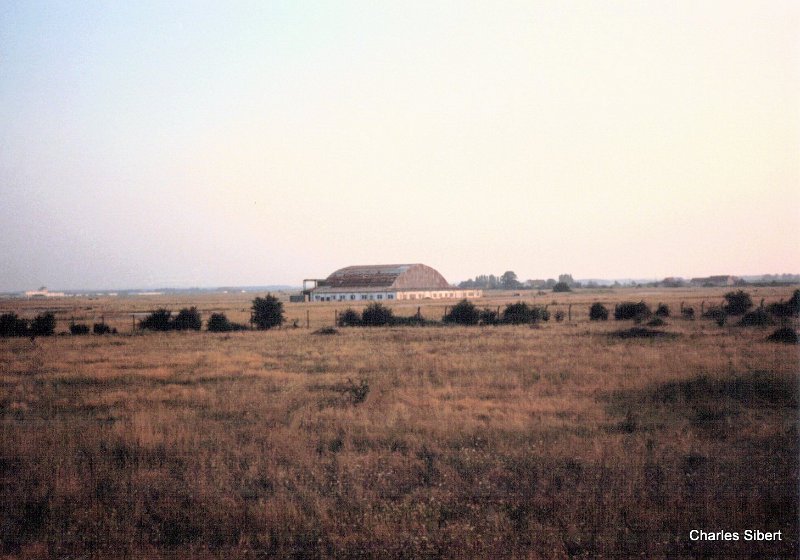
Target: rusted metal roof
(388, 276)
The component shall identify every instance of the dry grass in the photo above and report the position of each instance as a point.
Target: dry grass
(554, 442)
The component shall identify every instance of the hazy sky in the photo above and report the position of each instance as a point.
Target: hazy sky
(197, 143)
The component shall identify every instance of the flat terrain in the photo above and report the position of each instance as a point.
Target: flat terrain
(553, 441)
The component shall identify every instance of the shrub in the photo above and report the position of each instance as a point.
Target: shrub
(656, 322)
(349, 318)
(218, 322)
(158, 320)
(11, 325)
(79, 329)
(787, 309)
(662, 310)
(688, 313)
(757, 318)
(738, 302)
(463, 313)
(522, 313)
(598, 312)
(560, 315)
(561, 287)
(517, 314)
(488, 317)
(630, 310)
(267, 312)
(787, 335)
(326, 331)
(43, 325)
(187, 319)
(101, 328)
(376, 315)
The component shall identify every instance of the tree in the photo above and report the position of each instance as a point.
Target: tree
(561, 287)
(566, 278)
(509, 280)
(267, 312)
(463, 313)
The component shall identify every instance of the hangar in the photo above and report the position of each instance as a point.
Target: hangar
(384, 282)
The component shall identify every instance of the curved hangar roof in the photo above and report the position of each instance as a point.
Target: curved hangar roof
(387, 276)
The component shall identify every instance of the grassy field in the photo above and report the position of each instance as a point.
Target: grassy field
(558, 441)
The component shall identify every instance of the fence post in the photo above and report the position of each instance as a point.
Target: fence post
(569, 313)
(335, 317)
(308, 323)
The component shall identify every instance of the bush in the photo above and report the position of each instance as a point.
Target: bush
(560, 315)
(517, 314)
(488, 317)
(11, 325)
(218, 322)
(43, 325)
(656, 322)
(101, 328)
(738, 302)
(267, 312)
(463, 313)
(158, 320)
(79, 329)
(376, 315)
(349, 318)
(662, 310)
(187, 319)
(787, 335)
(757, 318)
(630, 310)
(787, 309)
(522, 313)
(326, 331)
(598, 312)
(561, 287)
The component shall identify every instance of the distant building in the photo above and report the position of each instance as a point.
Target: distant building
(387, 282)
(715, 281)
(43, 293)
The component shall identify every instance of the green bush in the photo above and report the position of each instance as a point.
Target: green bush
(463, 313)
(488, 317)
(101, 328)
(757, 318)
(783, 310)
(598, 312)
(267, 312)
(349, 318)
(43, 325)
(158, 320)
(79, 329)
(561, 287)
(218, 322)
(629, 310)
(187, 319)
(737, 302)
(11, 325)
(662, 310)
(376, 315)
(521, 313)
